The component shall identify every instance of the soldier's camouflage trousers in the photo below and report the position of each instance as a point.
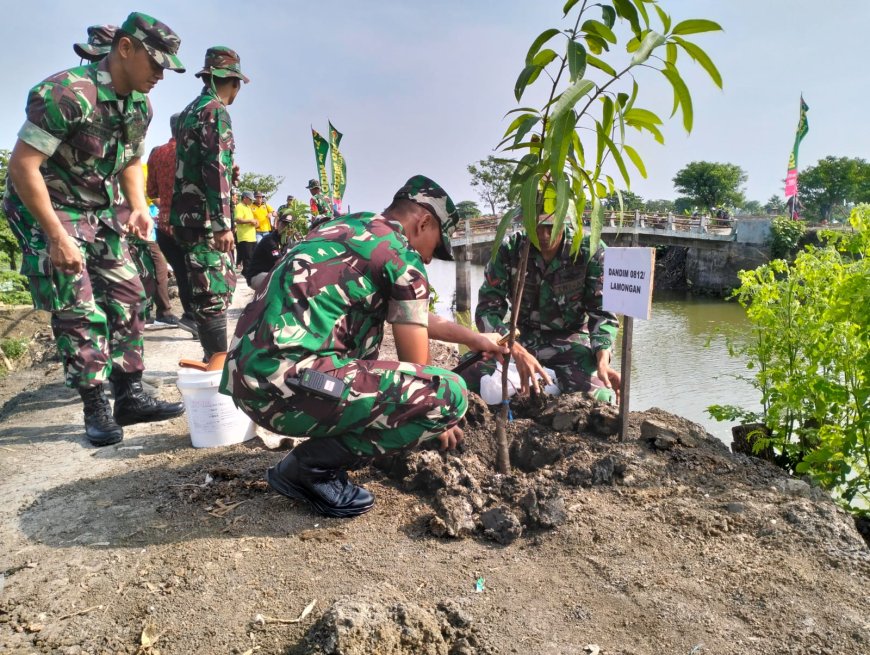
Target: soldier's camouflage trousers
(141, 254)
(386, 406)
(96, 316)
(212, 279)
(568, 354)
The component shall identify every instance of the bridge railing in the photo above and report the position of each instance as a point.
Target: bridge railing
(668, 222)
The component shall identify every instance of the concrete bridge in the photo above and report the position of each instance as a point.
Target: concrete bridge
(703, 233)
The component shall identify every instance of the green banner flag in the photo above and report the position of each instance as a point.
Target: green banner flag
(339, 167)
(321, 150)
(791, 178)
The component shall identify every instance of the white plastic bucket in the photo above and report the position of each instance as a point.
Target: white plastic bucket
(212, 417)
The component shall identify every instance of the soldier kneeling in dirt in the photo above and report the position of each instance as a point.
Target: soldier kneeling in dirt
(304, 360)
(561, 323)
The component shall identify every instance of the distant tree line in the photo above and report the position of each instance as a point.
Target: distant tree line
(827, 191)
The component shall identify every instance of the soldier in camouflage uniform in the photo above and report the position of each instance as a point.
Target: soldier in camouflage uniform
(83, 139)
(323, 310)
(562, 325)
(321, 205)
(201, 216)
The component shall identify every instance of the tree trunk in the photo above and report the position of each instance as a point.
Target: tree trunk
(502, 454)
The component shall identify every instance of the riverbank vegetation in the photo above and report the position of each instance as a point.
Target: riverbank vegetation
(810, 355)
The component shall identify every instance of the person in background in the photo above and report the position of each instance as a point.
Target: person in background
(61, 202)
(270, 250)
(321, 205)
(263, 213)
(246, 232)
(159, 187)
(201, 215)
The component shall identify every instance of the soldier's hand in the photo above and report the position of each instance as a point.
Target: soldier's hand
(610, 378)
(65, 255)
(529, 369)
(140, 224)
(487, 343)
(224, 241)
(450, 438)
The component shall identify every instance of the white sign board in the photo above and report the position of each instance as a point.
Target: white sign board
(628, 281)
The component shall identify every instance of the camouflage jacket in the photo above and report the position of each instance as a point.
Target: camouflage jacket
(89, 134)
(327, 299)
(203, 166)
(564, 296)
(321, 209)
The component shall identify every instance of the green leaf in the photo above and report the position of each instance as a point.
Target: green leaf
(525, 127)
(576, 60)
(608, 15)
(636, 114)
(634, 89)
(607, 113)
(626, 10)
(681, 95)
(621, 116)
(570, 96)
(600, 65)
(518, 109)
(596, 222)
(524, 169)
(529, 204)
(544, 57)
(696, 26)
(568, 7)
(635, 159)
(563, 197)
(515, 123)
(617, 158)
(560, 142)
(666, 20)
(598, 29)
(595, 44)
(702, 58)
(503, 224)
(641, 9)
(650, 42)
(577, 148)
(528, 75)
(543, 37)
(671, 53)
(599, 153)
(621, 99)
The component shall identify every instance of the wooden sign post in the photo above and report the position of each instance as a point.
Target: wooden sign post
(628, 286)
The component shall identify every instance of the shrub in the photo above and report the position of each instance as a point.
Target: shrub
(785, 236)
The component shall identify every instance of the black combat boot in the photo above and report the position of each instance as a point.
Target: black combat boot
(213, 336)
(316, 472)
(134, 405)
(100, 426)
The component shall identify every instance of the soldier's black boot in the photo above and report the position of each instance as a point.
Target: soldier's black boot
(316, 472)
(134, 405)
(100, 426)
(213, 336)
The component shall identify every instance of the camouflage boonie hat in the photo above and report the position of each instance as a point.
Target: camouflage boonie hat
(221, 61)
(99, 43)
(158, 38)
(313, 184)
(430, 195)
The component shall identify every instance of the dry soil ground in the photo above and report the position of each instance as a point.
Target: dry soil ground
(591, 545)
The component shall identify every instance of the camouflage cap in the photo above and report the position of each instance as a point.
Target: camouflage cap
(248, 195)
(313, 184)
(99, 43)
(430, 195)
(158, 38)
(221, 61)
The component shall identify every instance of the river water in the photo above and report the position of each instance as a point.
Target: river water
(680, 360)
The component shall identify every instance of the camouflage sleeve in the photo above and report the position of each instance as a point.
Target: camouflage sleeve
(491, 312)
(409, 289)
(217, 169)
(149, 114)
(603, 325)
(54, 111)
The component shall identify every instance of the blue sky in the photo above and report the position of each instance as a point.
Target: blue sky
(422, 87)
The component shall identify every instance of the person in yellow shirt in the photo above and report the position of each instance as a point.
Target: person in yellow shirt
(263, 213)
(246, 232)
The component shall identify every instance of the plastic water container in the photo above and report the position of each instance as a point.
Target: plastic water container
(212, 417)
(490, 385)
